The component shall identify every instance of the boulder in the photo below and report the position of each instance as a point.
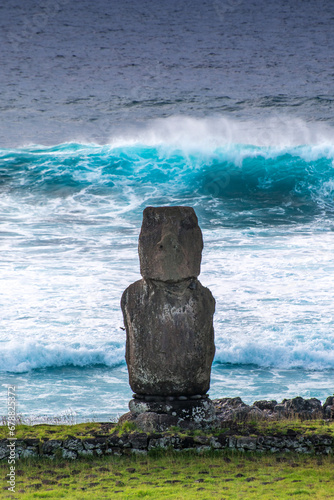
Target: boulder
(265, 405)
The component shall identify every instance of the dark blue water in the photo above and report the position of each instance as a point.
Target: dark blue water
(109, 107)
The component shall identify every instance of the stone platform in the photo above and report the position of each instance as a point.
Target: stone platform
(157, 413)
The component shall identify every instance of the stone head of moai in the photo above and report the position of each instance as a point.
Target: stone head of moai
(170, 244)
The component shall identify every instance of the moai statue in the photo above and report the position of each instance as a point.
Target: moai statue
(168, 317)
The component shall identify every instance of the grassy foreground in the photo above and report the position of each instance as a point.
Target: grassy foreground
(171, 475)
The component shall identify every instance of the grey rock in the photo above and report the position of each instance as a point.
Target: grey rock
(69, 454)
(281, 410)
(170, 337)
(98, 445)
(255, 412)
(199, 412)
(152, 422)
(153, 398)
(138, 440)
(127, 417)
(29, 452)
(265, 405)
(201, 439)
(229, 403)
(138, 396)
(50, 447)
(4, 450)
(73, 444)
(328, 408)
(170, 244)
(247, 443)
(304, 408)
(329, 401)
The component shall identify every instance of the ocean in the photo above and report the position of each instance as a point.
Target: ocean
(109, 107)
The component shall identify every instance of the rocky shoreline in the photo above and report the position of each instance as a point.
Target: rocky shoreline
(152, 414)
(225, 434)
(229, 409)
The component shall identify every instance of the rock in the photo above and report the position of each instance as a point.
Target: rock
(127, 417)
(170, 244)
(4, 450)
(152, 422)
(265, 405)
(255, 413)
(228, 409)
(185, 414)
(328, 408)
(246, 443)
(229, 403)
(51, 446)
(170, 337)
(329, 401)
(138, 440)
(73, 444)
(304, 408)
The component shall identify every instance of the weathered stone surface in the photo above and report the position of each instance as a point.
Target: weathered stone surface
(4, 450)
(158, 416)
(306, 408)
(265, 405)
(138, 442)
(170, 244)
(200, 410)
(51, 446)
(229, 409)
(170, 337)
(73, 444)
(328, 408)
(153, 422)
(127, 417)
(246, 443)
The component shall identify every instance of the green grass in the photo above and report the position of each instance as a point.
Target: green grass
(95, 429)
(42, 431)
(284, 426)
(172, 475)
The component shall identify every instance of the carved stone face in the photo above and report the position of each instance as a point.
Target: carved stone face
(170, 244)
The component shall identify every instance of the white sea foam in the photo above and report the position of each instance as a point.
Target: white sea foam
(22, 357)
(276, 356)
(278, 131)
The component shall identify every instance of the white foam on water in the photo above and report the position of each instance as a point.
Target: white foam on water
(21, 357)
(276, 356)
(278, 131)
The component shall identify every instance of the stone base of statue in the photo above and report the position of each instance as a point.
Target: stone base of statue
(159, 413)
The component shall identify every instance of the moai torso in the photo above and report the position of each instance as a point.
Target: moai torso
(168, 314)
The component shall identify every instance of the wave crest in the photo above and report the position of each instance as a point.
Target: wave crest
(18, 358)
(275, 356)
